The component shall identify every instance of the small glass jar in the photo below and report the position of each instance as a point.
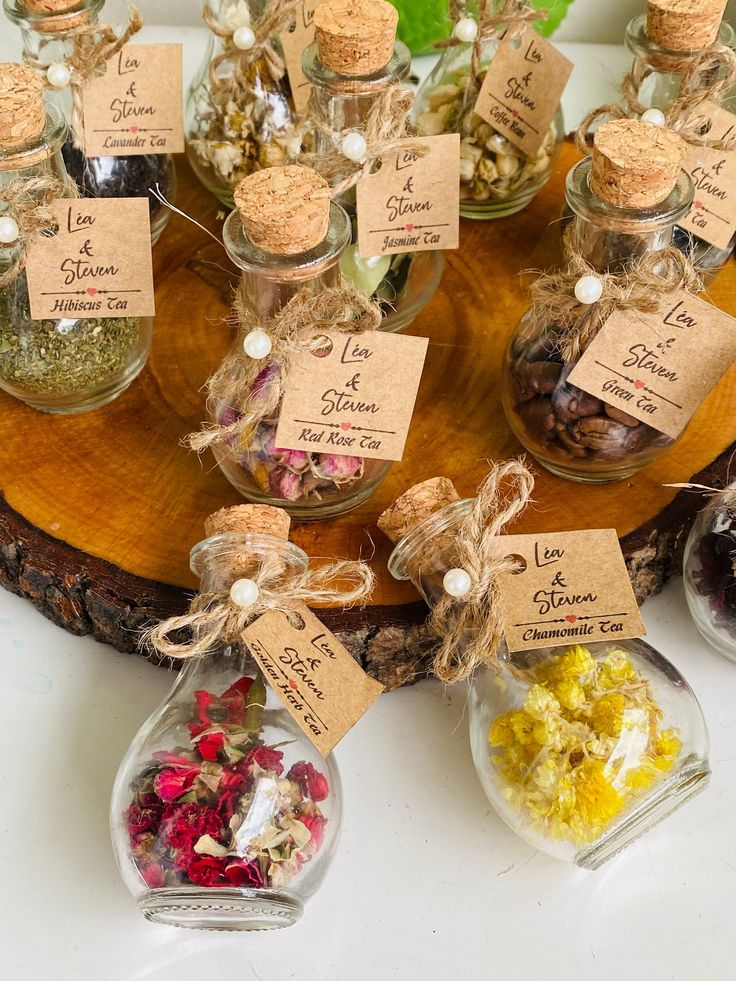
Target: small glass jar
(240, 115)
(496, 178)
(568, 431)
(223, 815)
(49, 38)
(67, 365)
(710, 572)
(403, 283)
(655, 79)
(580, 750)
(310, 486)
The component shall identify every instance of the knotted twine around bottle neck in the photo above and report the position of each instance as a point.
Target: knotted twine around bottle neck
(27, 201)
(214, 620)
(471, 628)
(495, 19)
(254, 388)
(640, 286)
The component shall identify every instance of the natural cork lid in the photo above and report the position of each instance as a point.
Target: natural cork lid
(355, 37)
(284, 210)
(635, 164)
(51, 6)
(416, 504)
(258, 519)
(684, 25)
(22, 109)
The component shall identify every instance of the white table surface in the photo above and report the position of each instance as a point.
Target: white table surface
(427, 884)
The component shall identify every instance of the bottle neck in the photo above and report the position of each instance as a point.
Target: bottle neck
(609, 237)
(222, 559)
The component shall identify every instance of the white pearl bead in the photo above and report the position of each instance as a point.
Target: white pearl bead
(354, 147)
(9, 230)
(244, 38)
(457, 582)
(244, 592)
(466, 29)
(257, 345)
(655, 116)
(58, 75)
(588, 289)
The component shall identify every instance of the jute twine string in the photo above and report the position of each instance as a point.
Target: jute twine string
(299, 326)
(471, 628)
(495, 19)
(27, 201)
(640, 286)
(213, 620)
(706, 78)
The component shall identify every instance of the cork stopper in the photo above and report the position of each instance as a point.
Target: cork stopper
(684, 25)
(22, 109)
(416, 504)
(259, 519)
(635, 164)
(355, 37)
(51, 6)
(284, 210)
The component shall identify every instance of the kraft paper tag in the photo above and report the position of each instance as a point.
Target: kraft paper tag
(522, 89)
(412, 203)
(356, 400)
(293, 44)
(97, 265)
(574, 589)
(658, 367)
(318, 681)
(713, 172)
(136, 106)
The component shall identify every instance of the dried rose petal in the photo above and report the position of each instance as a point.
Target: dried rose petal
(339, 467)
(227, 415)
(285, 484)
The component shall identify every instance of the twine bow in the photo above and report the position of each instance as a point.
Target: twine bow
(273, 21)
(471, 628)
(495, 18)
(214, 620)
(640, 286)
(255, 388)
(27, 201)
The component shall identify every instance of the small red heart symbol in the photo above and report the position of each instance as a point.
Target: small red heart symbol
(133, 129)
(698, 204)
(514, 113)
(638, 384)
(293, 684)
(409, 228)
(345, 426)
(91, 291)
(571, 618)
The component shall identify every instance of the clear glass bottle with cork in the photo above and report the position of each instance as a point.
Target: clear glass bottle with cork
(671, 42)
(580, 749)
(287, 237)
(66, 42)
(626, 200)
(66, 365)
(356, 68)
(223, 814)
(240, 115)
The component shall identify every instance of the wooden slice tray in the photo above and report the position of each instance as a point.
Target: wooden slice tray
(98, 511)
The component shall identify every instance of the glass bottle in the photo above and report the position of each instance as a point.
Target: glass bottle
(496, 178)
(710, 572)
(66, 365)
(655, 80)
(568, 431)
(403, 283)
(580, 750)
(239, 115)
(49, 37)
(310, 486)
(223, 815)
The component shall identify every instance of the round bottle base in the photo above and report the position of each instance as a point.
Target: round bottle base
(723, 645)
(221, 909)
(483, 211)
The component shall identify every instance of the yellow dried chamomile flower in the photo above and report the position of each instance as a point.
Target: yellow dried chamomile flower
(573, 665)
(607, 714)
(541, 704)
(501, 734)
(597, 801)
(570, 694)
(616, 669)
(522, 726)
(666, 750)
(642, 777)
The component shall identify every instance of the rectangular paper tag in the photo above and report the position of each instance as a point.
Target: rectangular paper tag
(357, 400)
(320, 684)
(98, 264)
(293, 44)
(713, 172)
(522, 89)
(412, 204)
(136, 106)
(658, 367)
(575, 589)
